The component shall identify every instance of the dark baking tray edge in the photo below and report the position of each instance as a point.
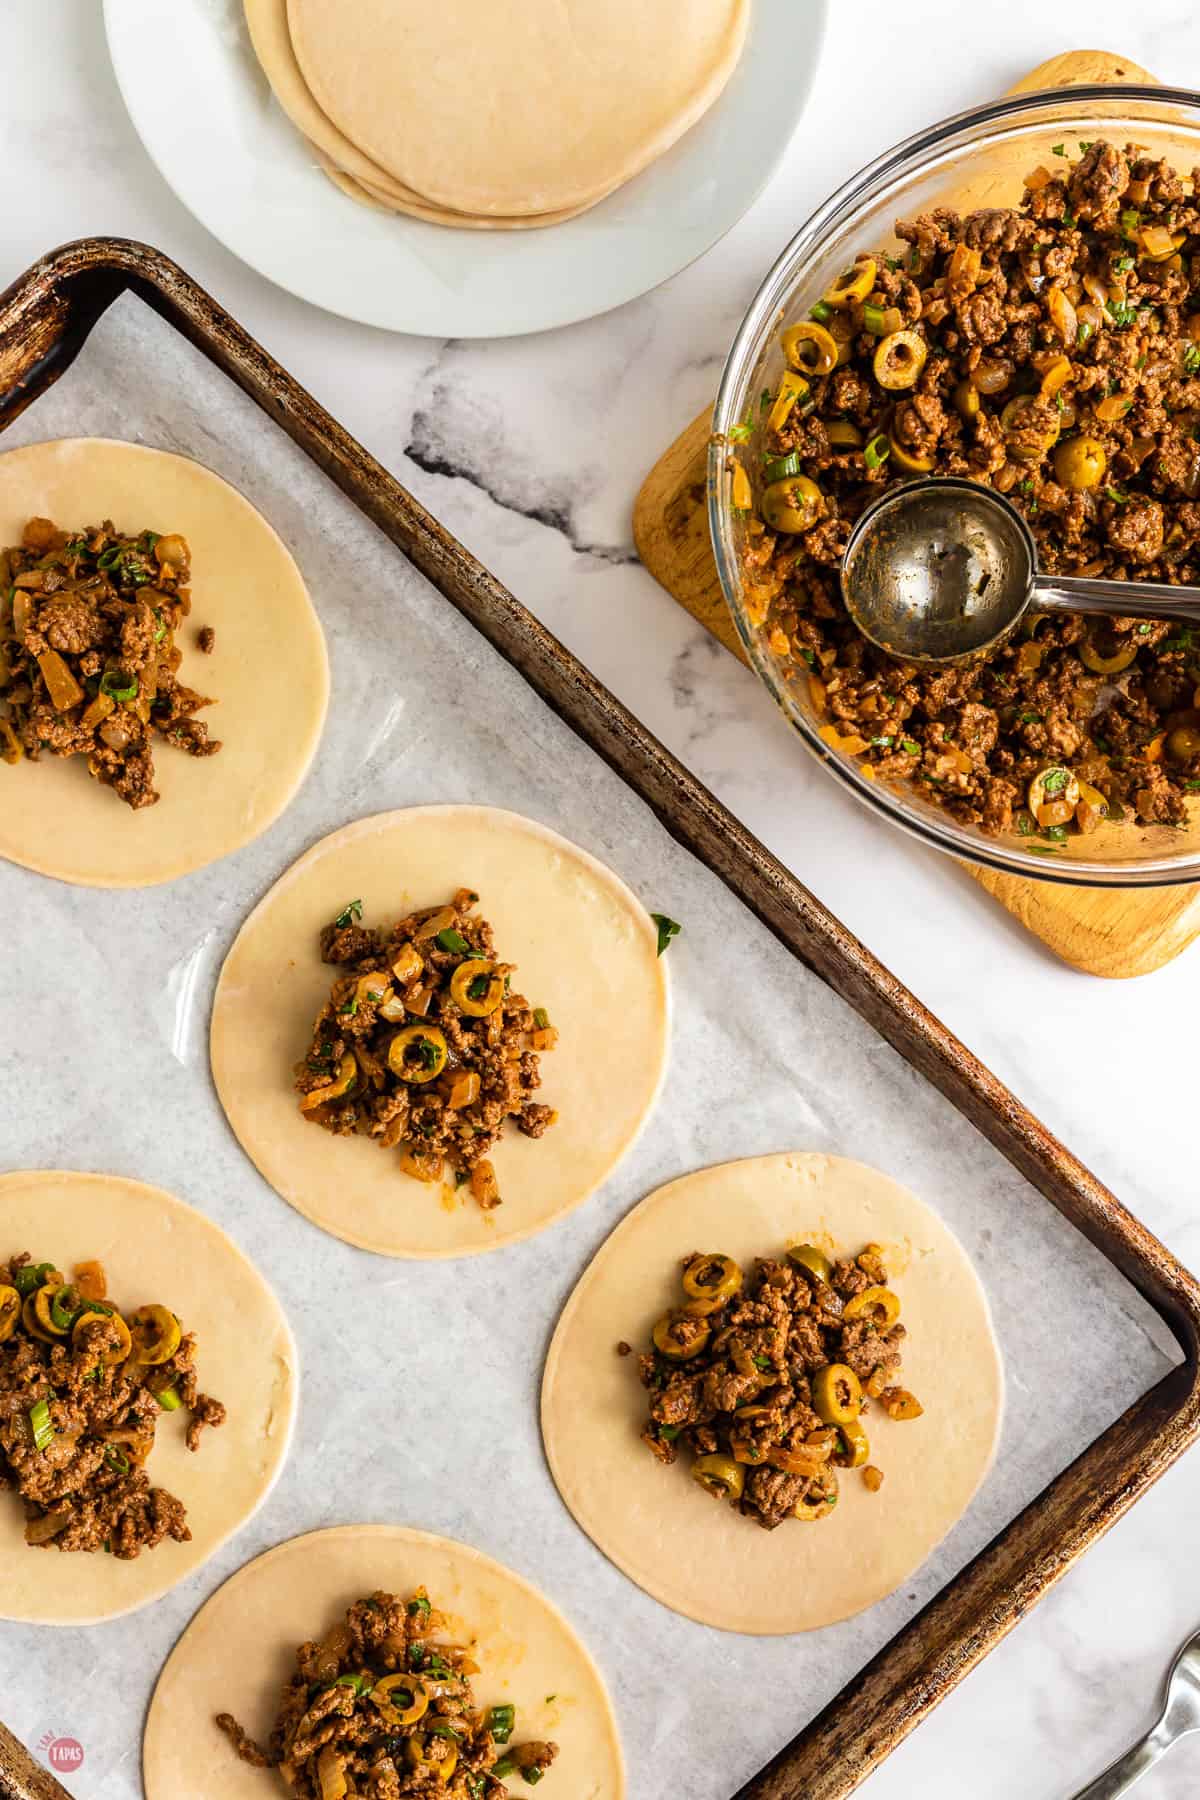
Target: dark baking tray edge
(45, 317)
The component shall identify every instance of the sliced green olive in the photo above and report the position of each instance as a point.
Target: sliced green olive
(418, 1054)
(856, 1446)
(966, 400)
(1024, 448)
(1080, 463)
(1183, 744)
(807, 1256)
(854, 283)
(720, 1476)
(1052, 785)
(1091, 656)
(43, 1302)
(879, 1304)
(113, 1353)
(899, 359)
(680, 1336)
(337, 1089)
(10, 1312)
(156, 1334)
(818, 1505)
(404, 1698)
(792, 506)
(29, 1320)
(792, 387)
(477, 988)
(908, 460)
(836, 1394)
(843, 435)
(810, 349)
(712, 1280)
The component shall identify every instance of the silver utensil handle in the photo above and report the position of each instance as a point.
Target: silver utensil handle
(1120, 1776)
(1117, 599)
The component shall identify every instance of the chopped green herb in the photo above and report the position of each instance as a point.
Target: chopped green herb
(116, 1459)
(763, 1364)
(353, 910)
(910, 746)
(1058, 149)
(477, 988)
(1069, 220)
(1084, 333)
(1056, 833)
(879, 743)
(454, 941)
(1031, 718)
(1054, 781)
(1144, 628)
(1191, 360)
(1121, 313)
(669, 1432)
(169, 1399)
(764, 400)
(118, 685)
(541, 1018)
(1116, 496)
(350, 1008)
(877, 451)
(667, 929)
(1129, 221)
(741, 434)
(501, 1720)
(1124, 262)
(1193, 787)
(419, 1608)
(359, 1684)
(39, 1424)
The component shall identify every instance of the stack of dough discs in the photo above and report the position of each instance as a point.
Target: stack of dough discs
(493, 114)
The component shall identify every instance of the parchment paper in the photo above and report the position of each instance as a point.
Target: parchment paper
(106, 998)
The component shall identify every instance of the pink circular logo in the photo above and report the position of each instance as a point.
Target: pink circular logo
(66, 1753)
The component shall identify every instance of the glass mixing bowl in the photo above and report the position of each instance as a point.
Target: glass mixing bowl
(976, 159)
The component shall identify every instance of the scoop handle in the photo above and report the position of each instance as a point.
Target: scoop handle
(1116, 599)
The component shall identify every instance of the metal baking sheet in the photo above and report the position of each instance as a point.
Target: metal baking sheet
(112, 993)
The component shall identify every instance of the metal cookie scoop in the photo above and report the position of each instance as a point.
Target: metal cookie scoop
(941, 569)
(1180, 1714)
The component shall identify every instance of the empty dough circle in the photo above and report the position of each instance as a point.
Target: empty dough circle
(355, 174)
(156, 1249)
(584, 948)
(240, 1648)
(268, 673)
(383, 200)
(515, 106)
(696, 1554)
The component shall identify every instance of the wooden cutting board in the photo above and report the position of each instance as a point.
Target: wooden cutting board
(1098, 930)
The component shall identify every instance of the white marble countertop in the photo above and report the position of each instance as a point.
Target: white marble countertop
(531, 451)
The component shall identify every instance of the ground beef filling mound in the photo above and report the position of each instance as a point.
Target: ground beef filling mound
(88, 658)
(382, 1707)
(767, 1382)
(1052, 352)
(423, 1046)
(82, 1390)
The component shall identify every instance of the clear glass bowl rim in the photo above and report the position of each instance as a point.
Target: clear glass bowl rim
(964, 129)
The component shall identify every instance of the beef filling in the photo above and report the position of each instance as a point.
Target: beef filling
(82, 1391)
(1051, 351)
(423, 1046)
(382, 1707)
(88, 658)
(766, 1382)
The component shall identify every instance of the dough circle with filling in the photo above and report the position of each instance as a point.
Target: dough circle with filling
(156, 1250)
(240, 1648)
(268, 673)
(584, 949)
(696, 1554)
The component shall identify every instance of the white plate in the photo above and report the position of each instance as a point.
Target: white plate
(235, 161)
